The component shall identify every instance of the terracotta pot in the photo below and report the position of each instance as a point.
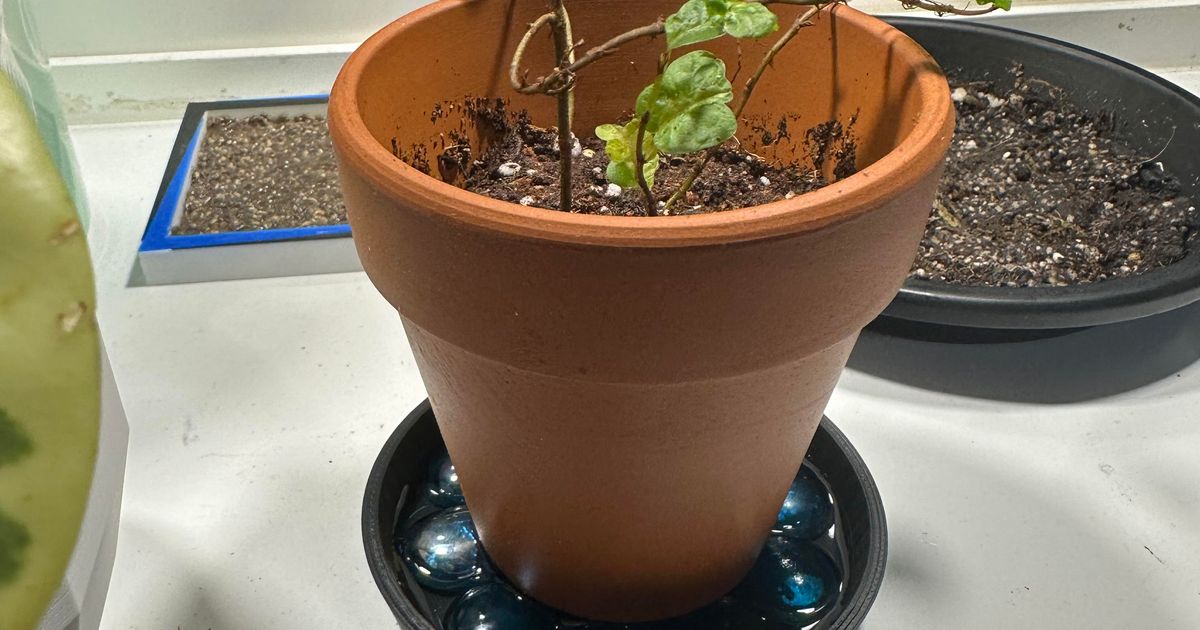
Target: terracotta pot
(627, 399)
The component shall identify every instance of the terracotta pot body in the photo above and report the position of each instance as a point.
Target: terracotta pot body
(627, 398)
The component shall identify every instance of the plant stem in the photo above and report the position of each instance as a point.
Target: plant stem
(686, 185)
(801, 22)
(562, 75)
(559, 81)
(561, 11)
(514, 68)
(562, 49)
(639, 164)
(556, 78)
(551, 82)
(943, 9)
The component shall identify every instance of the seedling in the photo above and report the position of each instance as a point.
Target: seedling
(687, 109)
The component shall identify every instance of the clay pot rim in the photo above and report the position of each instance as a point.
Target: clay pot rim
(900, 169)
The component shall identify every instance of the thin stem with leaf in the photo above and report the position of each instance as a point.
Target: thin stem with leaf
(640, 165)
(561, 76)
(805, 20)
(685, 110)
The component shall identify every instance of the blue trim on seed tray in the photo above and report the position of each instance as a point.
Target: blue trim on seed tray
(265, 101)
(160, 223)
(305, 97)
(158, 235)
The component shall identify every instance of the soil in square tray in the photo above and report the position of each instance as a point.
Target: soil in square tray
(263, 173)
(1038, 192)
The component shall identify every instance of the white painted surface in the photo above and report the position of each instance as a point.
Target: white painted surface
(1148, 33)
(257, 408)
(254, 408)
(249, 260)
(1008, 516)
(157, 85)
(106, 27)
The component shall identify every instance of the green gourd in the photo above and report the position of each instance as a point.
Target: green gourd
(49, 369)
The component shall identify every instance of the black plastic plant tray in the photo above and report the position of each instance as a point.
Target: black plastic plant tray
(1051, 344)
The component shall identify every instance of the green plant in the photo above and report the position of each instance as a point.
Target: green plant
(686, 109)
(49, 370)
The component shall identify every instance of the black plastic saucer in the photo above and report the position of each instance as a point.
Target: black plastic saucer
(1051, 344)
(403, 464)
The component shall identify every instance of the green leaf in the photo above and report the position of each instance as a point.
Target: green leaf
(688, 104)
(750, 20)
(697, 129)
(696, 21)
(701, 20)
(999, 4)
(619, 146)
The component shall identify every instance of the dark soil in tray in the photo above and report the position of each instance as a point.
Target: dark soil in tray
(1038, 192)
(522, 167)
(263, 173)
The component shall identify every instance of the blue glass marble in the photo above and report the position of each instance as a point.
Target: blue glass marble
(807, 512)
(496, 607)
(443, 551)
(792, 582)
(443, 488)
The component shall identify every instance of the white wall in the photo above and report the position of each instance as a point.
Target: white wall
(105, 27)
(103, 78)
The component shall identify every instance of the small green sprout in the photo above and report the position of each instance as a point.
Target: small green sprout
(621, 147)
(688, 112)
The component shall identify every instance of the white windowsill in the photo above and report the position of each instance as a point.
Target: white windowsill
(257, 408)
